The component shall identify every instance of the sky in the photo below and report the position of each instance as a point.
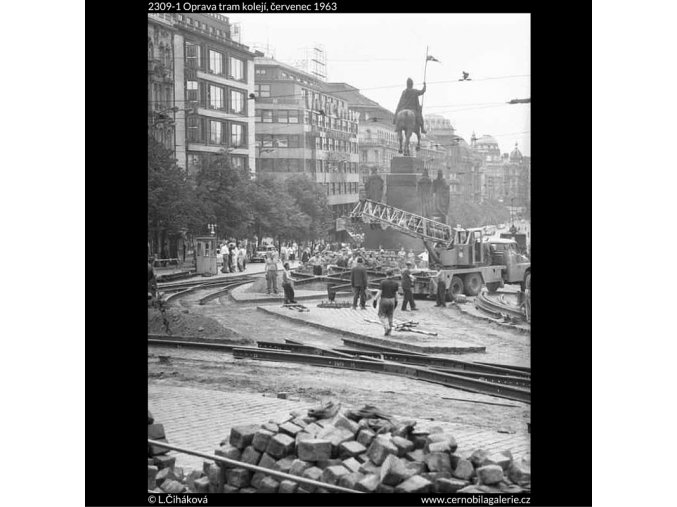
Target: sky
(378, 52)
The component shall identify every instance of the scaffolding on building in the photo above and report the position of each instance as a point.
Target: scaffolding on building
(314, 61)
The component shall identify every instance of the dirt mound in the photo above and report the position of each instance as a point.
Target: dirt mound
(188, 324)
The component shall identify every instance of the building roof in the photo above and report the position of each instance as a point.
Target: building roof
(352, 95)
(516, 154)
(265, 60)
(487, 139)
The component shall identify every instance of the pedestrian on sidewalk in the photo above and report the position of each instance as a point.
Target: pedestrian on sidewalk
(288, 285)
(358, 281)
(440, 287)
(316, 263)
(407, 280)
(240, 258)
(271, 273)
(305, 257)
(388, 302)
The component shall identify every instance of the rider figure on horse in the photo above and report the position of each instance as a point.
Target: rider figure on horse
(409, 100)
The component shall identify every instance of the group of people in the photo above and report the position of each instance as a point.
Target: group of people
(270, 267)
(234, 257)
(387, 293)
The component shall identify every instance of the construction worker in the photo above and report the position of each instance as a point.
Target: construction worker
(440, 287)
(388, 301)
(288, 285)
(271, 273)
(407, 280)
(358, 281)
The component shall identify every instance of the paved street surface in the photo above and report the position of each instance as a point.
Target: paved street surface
(353, 322)
(199, 419)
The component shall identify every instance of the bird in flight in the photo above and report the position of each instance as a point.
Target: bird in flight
(466, 76)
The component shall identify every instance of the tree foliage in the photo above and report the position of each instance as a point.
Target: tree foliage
(170, 195)
(469, 214)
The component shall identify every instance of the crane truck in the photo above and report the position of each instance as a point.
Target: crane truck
(467, 259)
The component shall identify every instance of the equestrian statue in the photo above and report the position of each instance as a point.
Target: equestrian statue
(409, 118)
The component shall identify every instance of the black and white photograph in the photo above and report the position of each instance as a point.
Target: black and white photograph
(339, 254)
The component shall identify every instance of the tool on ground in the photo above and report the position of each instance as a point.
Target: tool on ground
(296, 307)
(406, 327)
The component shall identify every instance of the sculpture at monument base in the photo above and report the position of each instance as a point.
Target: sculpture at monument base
(442, 195)
(374, 186)
(424, 192)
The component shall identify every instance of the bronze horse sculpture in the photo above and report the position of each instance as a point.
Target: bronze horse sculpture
(405, 122)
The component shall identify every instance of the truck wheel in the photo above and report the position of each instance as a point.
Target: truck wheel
(456, 287)
(493, 286)
(524, 284)
(473, 284)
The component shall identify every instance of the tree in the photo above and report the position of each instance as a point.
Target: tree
(171, 209)
(311, 199)
(219, 196)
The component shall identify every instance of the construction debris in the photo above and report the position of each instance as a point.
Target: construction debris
(406, 327)
(364, 450)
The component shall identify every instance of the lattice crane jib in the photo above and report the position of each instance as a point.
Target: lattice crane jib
(408, 223)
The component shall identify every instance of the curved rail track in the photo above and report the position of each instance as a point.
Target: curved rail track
(498, 307)
(474, 377)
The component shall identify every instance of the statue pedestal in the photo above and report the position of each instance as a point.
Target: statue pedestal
(401, 193)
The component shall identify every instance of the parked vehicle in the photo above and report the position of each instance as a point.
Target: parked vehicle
(260, 254)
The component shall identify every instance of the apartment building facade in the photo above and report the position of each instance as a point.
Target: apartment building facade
(212, 77)
(302, 127)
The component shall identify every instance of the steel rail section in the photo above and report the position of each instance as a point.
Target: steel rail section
(492, 306)
(525, 369)
(507, 380)
(203, 282)
(447, 379)
(378, 348)
(223, 347)
(428, 361)
(255, 468)
(222, 292)
(302, 349)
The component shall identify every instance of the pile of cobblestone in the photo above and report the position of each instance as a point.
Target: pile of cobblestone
(353, 450)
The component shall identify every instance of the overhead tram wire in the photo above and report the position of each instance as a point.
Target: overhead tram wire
(399, 85)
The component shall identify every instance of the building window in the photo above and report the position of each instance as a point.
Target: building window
(237, 162)
(257, 115)
(236, 102)
(306, 117)
(191, 91)
(262, 90)
(193, 56)
(215, 62)
(282, 141)
(293, 116)
(267, 116)
(236, 69)
(215, 132)
(318, 143)
(294, 141)
(267, 141)
(216, 97)
(236, 135)
(194, 129)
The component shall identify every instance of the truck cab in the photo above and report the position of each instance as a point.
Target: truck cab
(506, 252)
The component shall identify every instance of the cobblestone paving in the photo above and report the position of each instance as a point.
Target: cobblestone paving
(199, 419)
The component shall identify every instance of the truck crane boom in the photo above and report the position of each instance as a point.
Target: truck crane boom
(408, 223)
